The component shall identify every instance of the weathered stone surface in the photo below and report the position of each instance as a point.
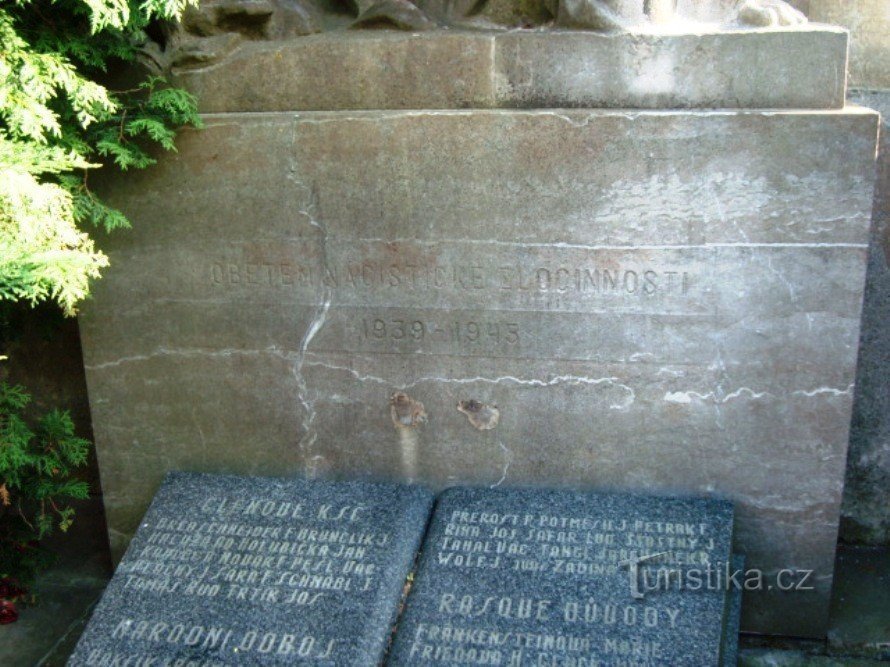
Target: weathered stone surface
(538, 577)
(866, 510)
(769, 657)
(265, 19)
(659, 301)
(733, 624)
(869, 25)
(231, 570)
(402, 14)
(860, 603)
(520, 69)
(673, 14)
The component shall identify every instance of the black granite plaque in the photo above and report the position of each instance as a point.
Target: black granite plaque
(254, 571)
(535, 577)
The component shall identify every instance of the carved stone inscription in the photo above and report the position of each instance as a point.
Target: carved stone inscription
(231, 570)
(458, 298)
(602, 299)
(516, 276)
(546, 578)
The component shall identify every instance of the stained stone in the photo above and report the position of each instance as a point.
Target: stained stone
(657, 301)
(732, 625)
(454, 69)
(865, 514)
(260, 571)
(538, 577)
(869, 23)
(860, 604)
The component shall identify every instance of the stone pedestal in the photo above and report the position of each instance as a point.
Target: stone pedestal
(801, 68)
(869, 23)
(660, 301)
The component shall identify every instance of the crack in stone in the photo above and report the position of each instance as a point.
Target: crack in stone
(833, 391)
(311, 211)
(781, 277)
(200, 432)
(508, 459)
(533, 382)
(319, 317)
(686, 397)
(188, 352)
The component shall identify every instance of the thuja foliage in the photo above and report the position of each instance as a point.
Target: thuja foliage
(37, 462)
(60, 119)
(58, 122)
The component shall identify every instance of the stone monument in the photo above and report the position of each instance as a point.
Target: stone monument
(625, 259)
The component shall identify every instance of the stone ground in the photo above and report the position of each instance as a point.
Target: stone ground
(45, 635)
(860, 619)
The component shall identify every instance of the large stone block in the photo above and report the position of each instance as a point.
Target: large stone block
(659, 301)
(866, 512)
(869, 25)
(523, 69)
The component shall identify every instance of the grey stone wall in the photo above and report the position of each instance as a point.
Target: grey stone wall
(735, 377)
(869, 24)
(866, 506)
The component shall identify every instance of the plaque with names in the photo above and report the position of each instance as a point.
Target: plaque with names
(539, 577)
(231, 570)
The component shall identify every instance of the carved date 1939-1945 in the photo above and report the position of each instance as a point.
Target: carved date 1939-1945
(469, 331)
